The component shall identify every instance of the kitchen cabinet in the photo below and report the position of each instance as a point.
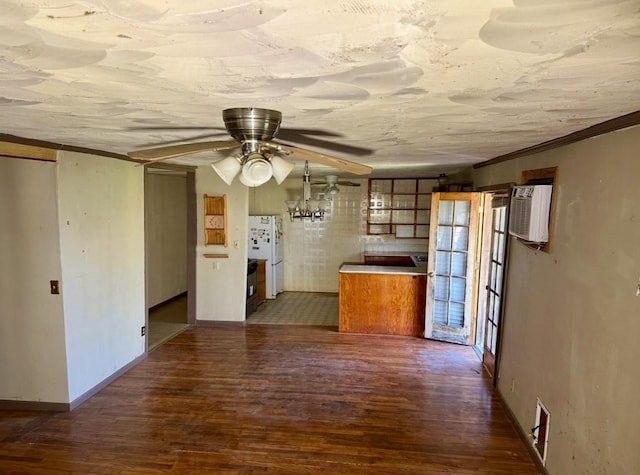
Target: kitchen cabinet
(382, 303)
(389, 260)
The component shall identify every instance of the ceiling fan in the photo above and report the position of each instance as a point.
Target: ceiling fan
(331, 183)
(253, 130)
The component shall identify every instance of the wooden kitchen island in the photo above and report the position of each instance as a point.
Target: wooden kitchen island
(382, 300)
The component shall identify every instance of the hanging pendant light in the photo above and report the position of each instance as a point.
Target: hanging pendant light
(307, 208)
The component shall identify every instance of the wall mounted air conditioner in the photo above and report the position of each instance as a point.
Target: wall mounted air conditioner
(529, 212)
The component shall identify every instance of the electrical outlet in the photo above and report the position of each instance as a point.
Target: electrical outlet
(55, 287)
(143, 330)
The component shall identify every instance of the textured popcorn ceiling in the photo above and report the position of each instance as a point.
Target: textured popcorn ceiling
(429, 84)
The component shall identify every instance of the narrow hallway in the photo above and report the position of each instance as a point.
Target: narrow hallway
(167, 320)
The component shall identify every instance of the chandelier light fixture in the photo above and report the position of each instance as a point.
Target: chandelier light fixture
(306, 208)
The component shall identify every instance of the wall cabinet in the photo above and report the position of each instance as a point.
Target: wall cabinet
(400, 206)
(215, 220)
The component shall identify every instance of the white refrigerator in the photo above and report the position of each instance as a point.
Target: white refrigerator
(266, 242)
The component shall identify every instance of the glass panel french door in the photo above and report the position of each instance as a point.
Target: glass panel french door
(497, 257)
(451, 280)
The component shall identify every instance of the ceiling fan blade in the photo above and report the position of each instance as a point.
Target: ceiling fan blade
(324, 159)
(172, 151)
(189, 139)
(307, 137)
(172, 127)
(292, 131)
(341, 183)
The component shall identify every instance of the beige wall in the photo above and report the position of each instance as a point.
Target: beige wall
(572, 317)
(32, 341)
(221, 283)
(101, 222)
(315, 250)
(78, 221)
(166, 235)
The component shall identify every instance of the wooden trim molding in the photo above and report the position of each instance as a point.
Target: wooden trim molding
(168, 301)
(622, 122)
(10, 405)
(106, 382)
(39, 147)
(18, 150)
(219, 323)
(551, 173)
(70, 406)
(522, 434)
(506, 187)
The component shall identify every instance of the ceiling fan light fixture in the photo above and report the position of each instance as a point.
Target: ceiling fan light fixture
(256, 171)
(281, 168)
(227, 169)
(331, 189)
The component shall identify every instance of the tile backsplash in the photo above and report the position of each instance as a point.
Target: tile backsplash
(314, 250)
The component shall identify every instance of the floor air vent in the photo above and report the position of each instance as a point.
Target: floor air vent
(540, 431)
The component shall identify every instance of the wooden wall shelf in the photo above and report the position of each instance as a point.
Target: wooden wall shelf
(400, 207)
(215, 220)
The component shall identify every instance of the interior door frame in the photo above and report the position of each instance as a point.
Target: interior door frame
(439, 331)
(485, 258)
(192, 242)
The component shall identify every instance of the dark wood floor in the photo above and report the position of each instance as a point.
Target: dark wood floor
(279, 400)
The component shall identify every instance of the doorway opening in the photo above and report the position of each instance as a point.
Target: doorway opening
(167, 320)
(450, 313)
(493, 256)
(466, 268)
(170, 236)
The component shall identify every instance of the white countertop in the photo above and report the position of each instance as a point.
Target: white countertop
(418, 258)
(350, 268)
(396, 253)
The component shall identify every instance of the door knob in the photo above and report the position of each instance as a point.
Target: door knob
(430, 274)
